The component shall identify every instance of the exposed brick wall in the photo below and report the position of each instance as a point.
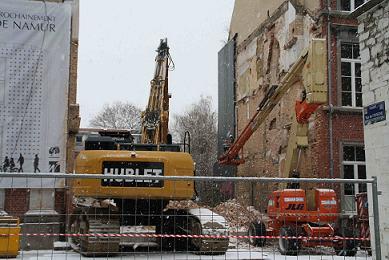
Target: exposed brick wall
(265, 150)
(16, 201)
(347, 128)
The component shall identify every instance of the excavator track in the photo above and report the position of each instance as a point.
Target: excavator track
(93, 220)
(207, 222)
(198, 221)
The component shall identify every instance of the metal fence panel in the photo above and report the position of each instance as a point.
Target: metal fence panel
(305, 222)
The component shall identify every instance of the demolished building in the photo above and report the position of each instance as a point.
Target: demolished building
(265, 39)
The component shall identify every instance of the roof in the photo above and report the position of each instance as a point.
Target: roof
(365, 8)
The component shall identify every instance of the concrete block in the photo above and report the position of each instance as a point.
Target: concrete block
(40, 222)
(375, 74)
(362, 45)
(368, 98)
(380, 86)
(365, 88)
(361, 28)
(380, 93)
(383, 59)
(378, 13)
(380, 38)
(365, 55)
(383, 23)
(365, 74)
(384, 69)
(373, 32)
(39, 242)
(371, 41)
(377, 48)
(385, 77)
(367, 66)
(364, 36)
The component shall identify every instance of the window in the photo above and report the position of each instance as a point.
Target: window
(354, 167)
(351, 5)
(78, 138)
(351, 75)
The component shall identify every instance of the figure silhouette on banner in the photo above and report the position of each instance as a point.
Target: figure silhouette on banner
(36, 164)
(21, 162)
(5, 164)
(11, 165)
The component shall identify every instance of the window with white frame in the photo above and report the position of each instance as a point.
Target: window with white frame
(351, 5)
(354, 167)
(351, 93)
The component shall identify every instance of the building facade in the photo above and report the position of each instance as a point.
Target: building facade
(41, 203)
(269, 37)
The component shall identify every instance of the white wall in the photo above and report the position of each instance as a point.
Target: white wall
(374, 43)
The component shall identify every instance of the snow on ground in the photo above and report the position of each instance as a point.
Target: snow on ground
(238, 218)
(240, 254)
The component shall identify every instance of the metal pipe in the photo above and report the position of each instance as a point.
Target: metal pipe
(376, 215)
(178, 178)
(330, 111)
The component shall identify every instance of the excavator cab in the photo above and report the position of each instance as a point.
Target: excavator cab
(125, 142)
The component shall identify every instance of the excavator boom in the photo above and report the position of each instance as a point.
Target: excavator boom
(155, 119)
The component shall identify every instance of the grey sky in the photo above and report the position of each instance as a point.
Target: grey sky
(117, 45)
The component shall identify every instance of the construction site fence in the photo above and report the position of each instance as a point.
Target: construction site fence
(240, 218)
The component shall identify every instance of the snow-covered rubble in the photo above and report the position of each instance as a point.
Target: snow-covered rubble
(237, 215)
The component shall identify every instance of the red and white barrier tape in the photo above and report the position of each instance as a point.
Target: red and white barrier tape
(140, 235)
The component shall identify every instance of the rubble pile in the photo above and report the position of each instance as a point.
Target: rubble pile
(182, 204)
(236, 214)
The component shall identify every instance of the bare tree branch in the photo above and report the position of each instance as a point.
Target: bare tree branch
(118, 115)
(200, 120)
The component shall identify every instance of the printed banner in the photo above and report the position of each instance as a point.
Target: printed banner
(34, 73)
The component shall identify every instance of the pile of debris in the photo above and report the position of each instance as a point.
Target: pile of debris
(235, 213)
(238, 215)
(182, 204)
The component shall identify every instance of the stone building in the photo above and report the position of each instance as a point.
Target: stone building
(268, 37)
(373, 33)
(41, 203)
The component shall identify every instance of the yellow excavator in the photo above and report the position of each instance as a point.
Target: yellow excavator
(105, 206)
